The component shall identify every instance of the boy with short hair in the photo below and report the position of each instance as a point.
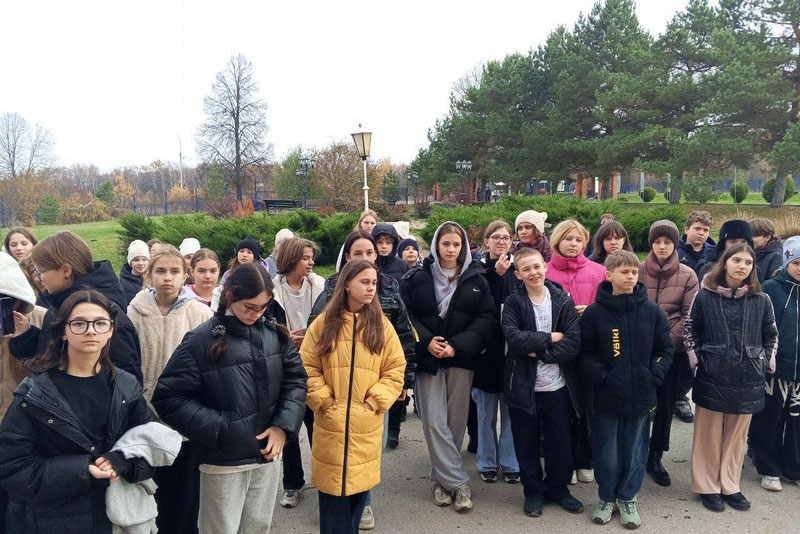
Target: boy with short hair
(542, 333)
(626, 351)
(386, 241)
(408, 251)
(695, 244)
(769, 249)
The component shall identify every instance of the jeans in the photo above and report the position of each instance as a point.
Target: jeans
(619, 448)
(340, 515)
(493, 453)
(554, 411)
(293, 476)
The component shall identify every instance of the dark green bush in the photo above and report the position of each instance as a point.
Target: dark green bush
(769, 187)
(474, 219)
(135, 226)
(648, 194)
(49, 209)
(739, 191)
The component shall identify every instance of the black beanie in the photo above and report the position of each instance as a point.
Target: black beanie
(252, 244)
(407, 242)
(734, 229)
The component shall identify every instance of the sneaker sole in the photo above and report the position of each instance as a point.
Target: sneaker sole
(463, 508)
(533, 514)
(366, 527)
(631, 526)
(600, 521)
(442, 504)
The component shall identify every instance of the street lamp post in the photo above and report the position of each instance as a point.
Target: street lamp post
(463, 167)
(363, 141)
(412, 178)
(306, 164)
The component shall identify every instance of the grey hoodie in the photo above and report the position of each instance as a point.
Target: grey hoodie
(443, 286)
(131, 508)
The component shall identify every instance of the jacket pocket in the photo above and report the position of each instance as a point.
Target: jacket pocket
(711, 359)
(756, 364)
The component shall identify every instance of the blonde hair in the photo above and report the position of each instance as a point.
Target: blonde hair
(162, 252)
(562, 229)
(364, 215)
(495, 226)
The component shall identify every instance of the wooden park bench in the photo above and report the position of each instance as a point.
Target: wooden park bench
(281, 204)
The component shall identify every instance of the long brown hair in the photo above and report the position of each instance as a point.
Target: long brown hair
(352, 237)
(452, 228)
(20, 230)
(370, 325)
(608, 229)
(246, 282)
(63, 248)
(716, 276)
(55, 355)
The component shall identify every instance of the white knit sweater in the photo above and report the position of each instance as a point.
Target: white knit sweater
(160, 335)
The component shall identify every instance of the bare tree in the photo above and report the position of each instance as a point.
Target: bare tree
(233, 134)
(22, 149)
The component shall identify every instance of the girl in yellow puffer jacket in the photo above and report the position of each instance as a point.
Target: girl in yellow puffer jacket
(355, 365)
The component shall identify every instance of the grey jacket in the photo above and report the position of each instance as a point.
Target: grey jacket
(132, 507)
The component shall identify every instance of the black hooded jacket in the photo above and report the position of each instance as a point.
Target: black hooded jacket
(626, 351)
(769, 259)
(125, 350)
(45, 456)
(391, 264)
(221, 405)
(694, 260)
(131, 283)
(519, 328)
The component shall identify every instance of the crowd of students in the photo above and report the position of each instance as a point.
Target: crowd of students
(161, 398)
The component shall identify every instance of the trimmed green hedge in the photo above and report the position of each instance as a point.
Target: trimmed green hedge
(222, 235)
(558, 207)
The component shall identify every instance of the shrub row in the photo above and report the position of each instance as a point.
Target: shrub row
(222, 235)
(474, 219)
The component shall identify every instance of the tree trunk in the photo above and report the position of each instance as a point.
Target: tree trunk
(779, 192)
(605, 189)
(675, 190)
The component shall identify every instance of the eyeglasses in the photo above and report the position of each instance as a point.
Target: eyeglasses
(501, 238)
(255, 309)
(80, 326)
(38, 274)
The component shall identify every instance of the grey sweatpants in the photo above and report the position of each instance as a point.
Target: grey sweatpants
(239, 503)
(444, 405)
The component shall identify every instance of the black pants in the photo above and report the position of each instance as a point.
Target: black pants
(395, 414)
(553, 414)
(666, 395)
(582, 427)
(777, 431)
(685, 380)
(340, 515)
(472, 421)
(293, 476)
(178, 495)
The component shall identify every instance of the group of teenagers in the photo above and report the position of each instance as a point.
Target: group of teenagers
(164, 399)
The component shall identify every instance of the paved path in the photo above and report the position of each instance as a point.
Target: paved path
(403, 502)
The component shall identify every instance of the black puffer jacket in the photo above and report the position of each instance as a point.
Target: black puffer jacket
(469, 324)
(125, 350)
(519, 328)
(626, 351)
(732, 336)
(769, 259)
(222, 405)
(696, 260)
(489, 373)
(391, 264)
(131, 283)
(394, 309)
(45, 456)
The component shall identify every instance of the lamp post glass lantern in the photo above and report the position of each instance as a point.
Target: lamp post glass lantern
(463, 167)
(363, 141)
(305, 165)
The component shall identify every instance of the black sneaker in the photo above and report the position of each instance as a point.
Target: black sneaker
(512, 477)
(392, 442)
(713, 501)
(570, 504)
(472, 446)
(656, 470)
(737, 501)
(684, 411)
(489, 476)
(533, 506)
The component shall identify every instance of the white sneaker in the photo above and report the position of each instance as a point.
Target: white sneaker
(771, 483)
(367, 519)
(574, 479)
(586, 475)
(290, 498)
(463, 499)
(441, 497)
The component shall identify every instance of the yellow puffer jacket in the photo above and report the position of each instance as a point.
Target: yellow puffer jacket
(346, 451)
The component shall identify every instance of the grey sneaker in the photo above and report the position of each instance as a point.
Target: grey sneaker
(290, 498)
(603, 511)
(628, 514)
(463, 499)
(367, 519)
(441, 497)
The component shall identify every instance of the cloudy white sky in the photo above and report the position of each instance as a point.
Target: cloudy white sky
(119, 83)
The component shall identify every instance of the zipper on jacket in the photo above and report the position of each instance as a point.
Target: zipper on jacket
(628, 364)
(349, 403)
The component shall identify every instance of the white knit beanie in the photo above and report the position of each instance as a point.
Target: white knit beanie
(282, 235)
(190, 245)
(535, 218)
(137, 248)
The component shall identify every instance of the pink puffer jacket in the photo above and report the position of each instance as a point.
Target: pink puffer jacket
(578, 276)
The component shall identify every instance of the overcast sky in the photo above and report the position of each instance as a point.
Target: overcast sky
(118, 83)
